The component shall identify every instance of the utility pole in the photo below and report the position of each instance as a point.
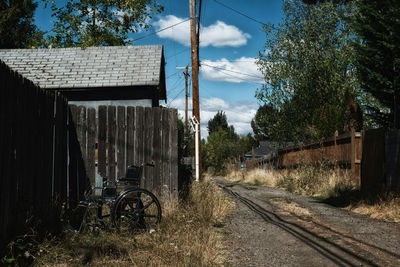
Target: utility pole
(195, 68)
(186, 98)
(186, 73)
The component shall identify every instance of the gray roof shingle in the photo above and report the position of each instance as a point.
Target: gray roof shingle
(111, 66)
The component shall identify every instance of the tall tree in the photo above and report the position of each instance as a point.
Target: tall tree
(218, 121)
(377, 26)
(17, 29)
(265, 119)
(307, 64)
(100, 22)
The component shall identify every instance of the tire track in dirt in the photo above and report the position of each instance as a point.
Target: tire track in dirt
(336, 246)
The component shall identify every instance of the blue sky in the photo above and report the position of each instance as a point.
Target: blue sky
(229, 44)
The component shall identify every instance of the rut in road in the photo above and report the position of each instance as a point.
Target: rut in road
(356, 252)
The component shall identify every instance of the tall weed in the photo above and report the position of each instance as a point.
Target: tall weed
(185, 237)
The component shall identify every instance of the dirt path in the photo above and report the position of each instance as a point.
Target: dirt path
(272, 227)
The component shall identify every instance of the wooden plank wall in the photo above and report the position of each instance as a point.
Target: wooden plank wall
(373, 162)
(392, 157)
(33, 157)
(128, 136)
(344, 151)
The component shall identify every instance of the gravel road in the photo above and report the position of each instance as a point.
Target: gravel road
(272, 227)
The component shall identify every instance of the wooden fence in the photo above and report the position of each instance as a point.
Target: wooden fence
(344, 151)
(33, 156)
(48, 151)
(381, 161)
(373, 157)
(126, 136)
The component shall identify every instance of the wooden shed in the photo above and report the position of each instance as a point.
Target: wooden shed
(134, 73)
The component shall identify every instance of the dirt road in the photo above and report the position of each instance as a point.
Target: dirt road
(272, 227)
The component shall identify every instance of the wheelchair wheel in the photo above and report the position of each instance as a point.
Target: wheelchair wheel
(136, 209)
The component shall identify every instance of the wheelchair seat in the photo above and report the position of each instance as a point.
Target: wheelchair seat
(132, 175)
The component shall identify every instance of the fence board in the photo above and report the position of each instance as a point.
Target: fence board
(61, 150)
(139, 136)
(121, 141)
(392, 156)
(173, 122)
(130, 136)
(112, 132)
(148, 147)
(91, 145)
(157, 149)
(102, 140)
(73, 148)
(165, 155)
(373, 164)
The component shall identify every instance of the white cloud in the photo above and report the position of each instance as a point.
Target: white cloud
(221, 34)
(239, 114)
(218, 34)
(243, 69)
(178, 33)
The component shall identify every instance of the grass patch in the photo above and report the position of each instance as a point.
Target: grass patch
(382, 207)
(189, 235)
(332, 186)
(306, 180)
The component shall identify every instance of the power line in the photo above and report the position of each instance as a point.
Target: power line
(175, 86)
(237, 72)
(176, 97)
(236, 77)
(240, 13)
(172, 75)
(180, 52)
(166, 28)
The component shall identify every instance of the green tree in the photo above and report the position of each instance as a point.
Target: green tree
(218, 121)
(17, 29)
(326, 121)
(100, 22)
(185, 141)
(377, 25)
(223, 144)
(218, 151)
(264, 122)
(307, 63)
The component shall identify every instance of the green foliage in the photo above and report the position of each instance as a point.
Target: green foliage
(17, 29)
(264, 121)
(326, 121)
(100, 23)
(307, 64)
(223, 144)
(377, 25)
(218, 151)
(218, 121)
(185, 141)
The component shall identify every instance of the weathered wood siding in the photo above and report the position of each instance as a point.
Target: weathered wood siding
(344, 151)
(128, 136)
(33, 156)
(48, 151)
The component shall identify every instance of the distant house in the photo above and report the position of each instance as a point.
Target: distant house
(265, 148)
(131, 73)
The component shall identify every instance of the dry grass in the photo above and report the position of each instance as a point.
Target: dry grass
(291, 207)
(387, 208)
(306, 180)
(270, 178)
(187, 236)
(323, 183)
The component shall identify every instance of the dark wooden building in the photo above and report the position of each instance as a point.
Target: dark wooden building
(134, 73)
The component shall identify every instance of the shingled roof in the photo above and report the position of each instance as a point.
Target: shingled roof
(115, 66)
